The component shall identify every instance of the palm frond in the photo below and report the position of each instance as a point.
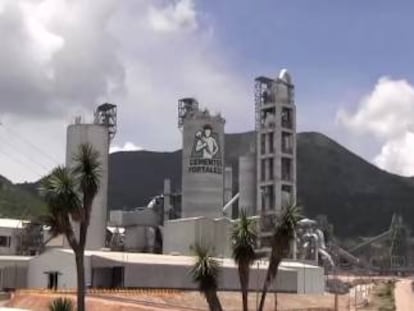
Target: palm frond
(61, 304)
(283, 234)
(244, 239)
(87, 170)
(59, 192)
(287, 220)
(205, 271)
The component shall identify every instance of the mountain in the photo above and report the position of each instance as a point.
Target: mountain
(357, 197)
(16, 202)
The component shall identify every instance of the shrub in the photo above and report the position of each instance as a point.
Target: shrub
(61, 304)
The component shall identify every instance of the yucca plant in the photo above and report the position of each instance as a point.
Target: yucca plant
(61, 304)
(205, 273)
(283, 234)
(69, 194)
(244, 238)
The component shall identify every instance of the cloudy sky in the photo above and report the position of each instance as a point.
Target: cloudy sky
(351, 62)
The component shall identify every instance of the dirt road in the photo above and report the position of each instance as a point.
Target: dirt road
(404, 295)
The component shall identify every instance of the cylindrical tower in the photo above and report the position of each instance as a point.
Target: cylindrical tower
(202, 161)
(97, 136)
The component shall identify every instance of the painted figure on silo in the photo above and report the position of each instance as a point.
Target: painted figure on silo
(205, 144)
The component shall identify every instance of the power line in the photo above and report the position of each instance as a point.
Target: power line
(28, 142)
(30, 159)
(22, 163)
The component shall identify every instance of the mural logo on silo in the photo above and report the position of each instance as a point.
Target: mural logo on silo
(206, 152)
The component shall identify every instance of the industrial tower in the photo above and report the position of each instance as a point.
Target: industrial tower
(202, 160)
(97, 134)
(275, 125)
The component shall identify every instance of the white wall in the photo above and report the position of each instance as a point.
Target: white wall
(13, 272)
(179, 235)
(179, 277)
(13, 234)
(56, 260)
(135, 238)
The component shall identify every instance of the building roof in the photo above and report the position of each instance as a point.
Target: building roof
(12, 223)
(14, 258)
(161, 259)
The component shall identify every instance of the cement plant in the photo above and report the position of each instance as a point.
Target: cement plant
(151, 247)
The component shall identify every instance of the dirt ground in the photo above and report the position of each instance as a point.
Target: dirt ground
(181, 301)
(404, 296)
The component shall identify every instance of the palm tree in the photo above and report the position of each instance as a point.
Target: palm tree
(205, 273)
(69, 193)
(284, 233)
(244, 237)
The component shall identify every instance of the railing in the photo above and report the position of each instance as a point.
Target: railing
(99, 291)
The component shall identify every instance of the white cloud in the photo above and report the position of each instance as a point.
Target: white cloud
(387, 114)
(55, 55)
(61, 58)
(397, 155)
(128, 146)
(177, 16)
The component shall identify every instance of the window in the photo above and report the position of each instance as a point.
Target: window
(263, 144)
(4, 241)
(286, 195)
(271, 169)
(287, 142)
(266, 94)
(271, 138)
(287, 120)
(263, 170)
(268, 198)
(271, 197)
(286, 169)
(268, 118)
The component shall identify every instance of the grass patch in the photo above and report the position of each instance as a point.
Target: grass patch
(384, 295)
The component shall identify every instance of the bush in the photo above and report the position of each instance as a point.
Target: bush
(61, 304)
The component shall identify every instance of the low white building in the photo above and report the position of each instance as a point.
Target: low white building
(10, 235)
(13, 271)
(56, 269)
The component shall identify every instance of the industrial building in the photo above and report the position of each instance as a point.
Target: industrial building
(203, 212)
(10, 235)
(275, 126)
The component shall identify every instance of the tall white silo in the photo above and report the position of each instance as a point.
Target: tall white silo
(98, 135)
(202, 161)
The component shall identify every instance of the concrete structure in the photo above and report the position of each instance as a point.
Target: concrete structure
(202, 160)
(135, 270)
(275, 149)
(247, 184)
(13, 271)
(10, 235)
(98, 137)
(140, 226)
(181, 235)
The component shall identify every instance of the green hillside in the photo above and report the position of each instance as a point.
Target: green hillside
(15, 202)
(357, 197)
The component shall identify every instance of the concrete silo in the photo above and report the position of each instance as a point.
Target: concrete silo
(202, 160)
(98, 135)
